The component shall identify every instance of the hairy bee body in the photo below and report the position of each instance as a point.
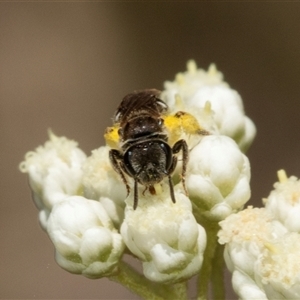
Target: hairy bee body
(144, 153)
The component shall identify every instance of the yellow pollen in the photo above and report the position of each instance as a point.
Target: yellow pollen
(111, 136)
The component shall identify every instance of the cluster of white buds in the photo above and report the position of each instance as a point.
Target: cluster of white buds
(263, 245)
(81, 230)
(85, 209)
(55, 172)
(218, 173)
(193, 89)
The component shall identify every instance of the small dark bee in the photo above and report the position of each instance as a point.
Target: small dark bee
(145, 154)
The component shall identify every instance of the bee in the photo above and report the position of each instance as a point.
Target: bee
(144, 152)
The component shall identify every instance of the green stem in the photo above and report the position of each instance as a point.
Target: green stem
(204, 277)
(181, 290)
(141, 286)
(217, 278)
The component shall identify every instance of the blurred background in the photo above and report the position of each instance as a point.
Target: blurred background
(66, 66)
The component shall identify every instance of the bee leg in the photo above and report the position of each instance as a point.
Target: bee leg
(171, 189)
(182, 145)
(144, 191)
(116, 158)
(170, 171)
(136, 196)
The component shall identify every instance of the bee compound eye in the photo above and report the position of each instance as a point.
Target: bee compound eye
(128, 164)
(166, 148)
(168, 154)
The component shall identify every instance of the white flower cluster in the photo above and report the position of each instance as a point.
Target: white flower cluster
(84, 206)
(218, 173)
(193, 89)
(55, 171)
(263, 245)
(81, 230)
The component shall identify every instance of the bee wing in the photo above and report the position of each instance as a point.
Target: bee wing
(139, 101)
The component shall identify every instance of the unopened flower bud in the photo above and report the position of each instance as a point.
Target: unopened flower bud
(246, 236)
(165, 236)
(102, 183)
(284, 201)
(54, 172)
(85, 239)
(218, 176)
(196, 87)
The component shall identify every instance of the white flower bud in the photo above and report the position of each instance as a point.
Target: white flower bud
(102, 183)
(247, 232)
(247, 235)
(284, 202)
(85, 239)
(246, 287)
(278, 268)
(196, 87)
(218, 176)
(54, 172)
(165, 236)
(229, 113)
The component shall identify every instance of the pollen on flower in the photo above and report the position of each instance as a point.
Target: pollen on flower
(251, 224)
(159, 206)
(97, 170)
(99, 178)
(97, 165)
(44, 155)
(280, 262)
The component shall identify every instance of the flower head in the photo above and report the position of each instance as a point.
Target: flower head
(278, 268)
(246, 236)
(284, 201)
(196, 87)
(102, 183)
(84, 237)
(165, 236)
(89, 214)
(54, 172)
(218, 176)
